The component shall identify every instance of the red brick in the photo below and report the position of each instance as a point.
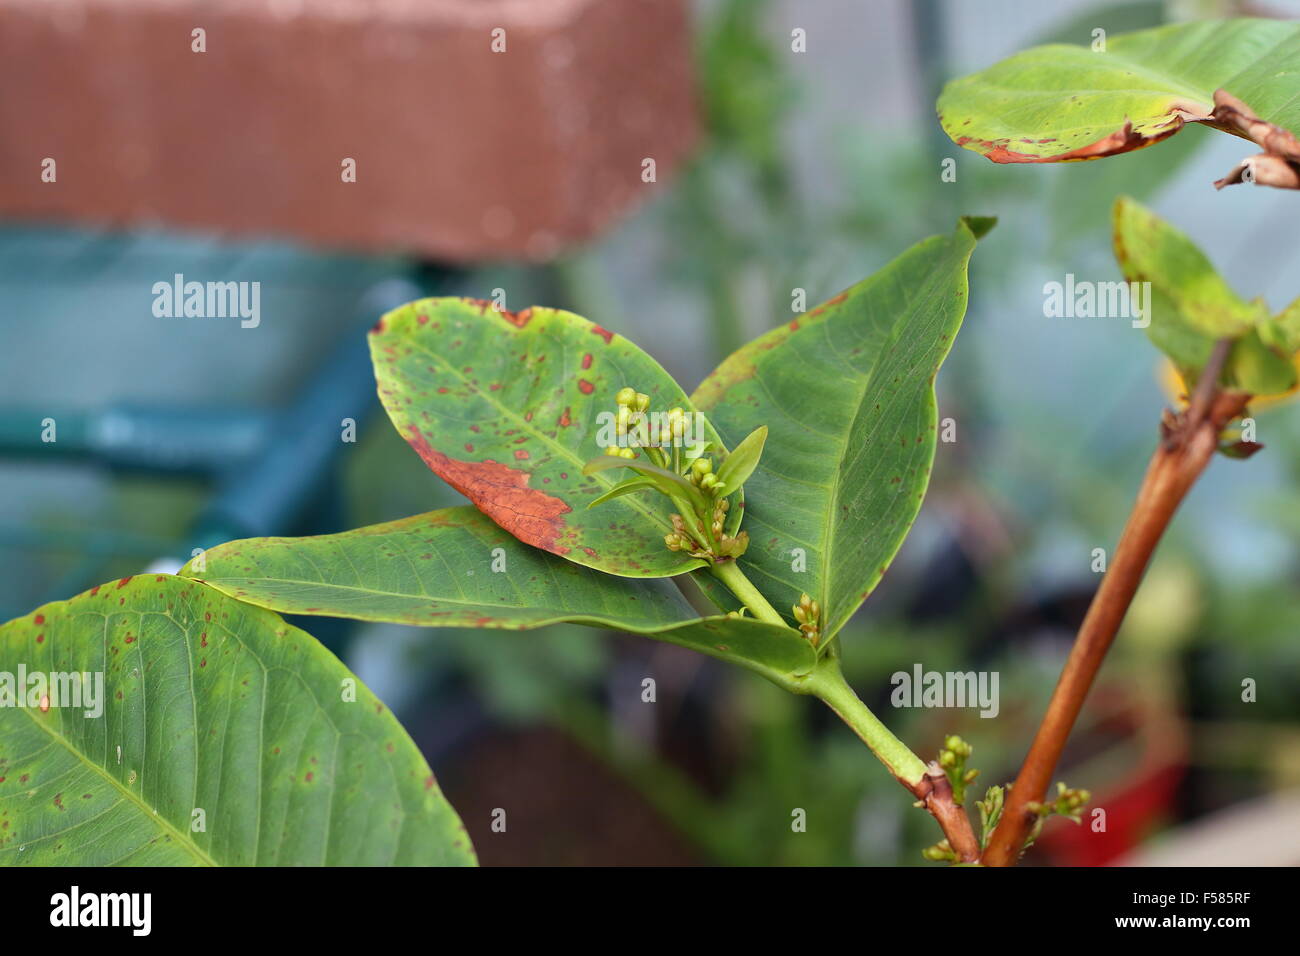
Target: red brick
(462, 153)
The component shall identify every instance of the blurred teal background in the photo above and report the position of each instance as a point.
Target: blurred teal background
(817, 169)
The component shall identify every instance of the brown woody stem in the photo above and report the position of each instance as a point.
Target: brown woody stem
(1187, 444)
(935, 792)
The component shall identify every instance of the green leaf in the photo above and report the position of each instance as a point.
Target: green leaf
(1065, 102)
(437, 570)
(781, 655)
(1151, 250)
(1284, 331)
(625, 487)
(1255, 368)
(504, 407)
(208, 705)
(1190, 306)
(448, 568)
(669, 482)
(847, 392)
(742, 461)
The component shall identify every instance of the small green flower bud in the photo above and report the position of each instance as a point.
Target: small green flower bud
(625, 396)
(940, 851)
(642, 401)
(615, 451)
(800, 615)
(624, 416)
(709, 480)
(701, 467)
(628, 453)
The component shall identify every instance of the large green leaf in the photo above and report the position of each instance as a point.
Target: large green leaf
(847, 394)
(208, 705)
(1190, 306)
(1066, 102)
(503, 406)
(437, 570)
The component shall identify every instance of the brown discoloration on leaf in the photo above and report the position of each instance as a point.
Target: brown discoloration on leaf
(477, 361)
(1277, 166)
(832, 301)
(1263, 170)
(1233, 116)
(501, 493)
(1123, 140)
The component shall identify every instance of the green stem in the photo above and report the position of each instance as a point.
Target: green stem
(827, 684)
(729, 573)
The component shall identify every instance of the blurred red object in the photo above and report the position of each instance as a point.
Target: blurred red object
(1140, 801)
(478, 128)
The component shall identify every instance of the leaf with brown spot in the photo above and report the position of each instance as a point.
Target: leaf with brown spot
(437, 360)
(455, 568)
(1064, 102)
(295, 762)
(448, 568)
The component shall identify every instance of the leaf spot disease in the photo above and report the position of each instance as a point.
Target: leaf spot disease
(500, 492)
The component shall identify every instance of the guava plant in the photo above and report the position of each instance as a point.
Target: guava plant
(783, 485)
(600, 492)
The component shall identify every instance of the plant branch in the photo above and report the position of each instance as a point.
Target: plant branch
(1187, 444)
(928, 783)
(729, 573)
